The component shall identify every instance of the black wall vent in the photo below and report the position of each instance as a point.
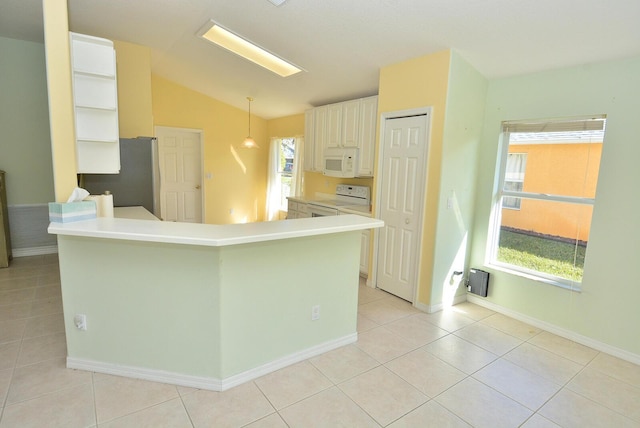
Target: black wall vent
(478, 282)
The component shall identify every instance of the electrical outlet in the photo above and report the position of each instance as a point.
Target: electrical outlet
(315, 313)
(80, 321)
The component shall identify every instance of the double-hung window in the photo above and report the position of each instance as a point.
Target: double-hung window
(547, 178)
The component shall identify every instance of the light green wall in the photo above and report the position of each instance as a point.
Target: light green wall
(461, 140)
(607, 308)
(25, 145)
(206, 311)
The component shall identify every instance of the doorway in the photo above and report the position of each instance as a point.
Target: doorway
(180, 158)
(401, 196)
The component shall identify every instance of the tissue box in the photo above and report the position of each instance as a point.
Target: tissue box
(71, 211)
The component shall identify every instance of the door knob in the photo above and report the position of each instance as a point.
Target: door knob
(197, 186)
(407, 221)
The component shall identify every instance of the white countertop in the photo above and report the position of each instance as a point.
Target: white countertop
(211, 235)
(135, 213)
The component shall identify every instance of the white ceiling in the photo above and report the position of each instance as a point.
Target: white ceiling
(342, 44)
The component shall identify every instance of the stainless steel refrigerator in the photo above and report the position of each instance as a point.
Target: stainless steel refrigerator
(137, 184)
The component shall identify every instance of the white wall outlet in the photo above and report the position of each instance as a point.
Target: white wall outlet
(315, 313)
(80, 321)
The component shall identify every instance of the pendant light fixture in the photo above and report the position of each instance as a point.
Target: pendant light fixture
(249, 143)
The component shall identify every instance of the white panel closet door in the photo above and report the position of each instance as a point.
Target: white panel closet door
(403, 151)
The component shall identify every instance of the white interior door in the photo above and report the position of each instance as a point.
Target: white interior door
(401, 199)
(180, 158)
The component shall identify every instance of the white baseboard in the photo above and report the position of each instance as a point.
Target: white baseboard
(440, 306)
(202, 382)
(35, 251)
(560, 331)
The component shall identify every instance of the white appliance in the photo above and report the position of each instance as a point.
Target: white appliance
(346, 195)
(340, 162)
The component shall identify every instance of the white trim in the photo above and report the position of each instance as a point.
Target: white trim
(34, 251)
(560, 331)
(440, 306)
(420, 111)
(203, 382)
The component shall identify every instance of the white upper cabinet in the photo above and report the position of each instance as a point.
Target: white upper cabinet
(368, 123)
(95, 100)
(347, 124)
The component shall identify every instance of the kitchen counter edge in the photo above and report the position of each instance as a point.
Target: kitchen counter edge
(211, 235)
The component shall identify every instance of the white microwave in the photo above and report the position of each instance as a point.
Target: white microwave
(340, 162)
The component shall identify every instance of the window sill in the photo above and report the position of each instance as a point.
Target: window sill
(567, 285)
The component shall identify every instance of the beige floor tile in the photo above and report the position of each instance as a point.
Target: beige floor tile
(15, 311)
(10, 331)
(383, 395)
(47, 292)
(449, 320)
(517, 383)
(16, 296)
(168, 414)
(272, 421)
(571, 410)
(5, 380)
(329, 408)
(430, 414)
(471, 310)
(69, 408)
(365, 324)
(369, 294)
(617, 368)
(184, 390)
(344, 363)
(42, 348)
(384, 311)
(564, 347)
(291, 384)
(8, 355)
(43, 378)
(537, 421)
(383, 345)
(511, 326)
(233, 408)
(429, 374)
(461, 354)
(543, 363)
(119, 396)
(612, 393)
(44, 325)
(482, 406)
(49, 306)
(416, 330)
(488, 338)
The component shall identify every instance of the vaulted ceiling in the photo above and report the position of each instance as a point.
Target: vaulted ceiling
(342, 44)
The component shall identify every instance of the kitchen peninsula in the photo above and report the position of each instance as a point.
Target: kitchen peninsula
(207, 306)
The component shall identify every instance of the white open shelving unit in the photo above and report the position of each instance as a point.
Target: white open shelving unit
(95, 96)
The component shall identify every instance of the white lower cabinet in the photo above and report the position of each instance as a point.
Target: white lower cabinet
(297, 209)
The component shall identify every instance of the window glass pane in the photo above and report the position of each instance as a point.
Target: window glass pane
(285, 189)
(555, 164)
(545, 236)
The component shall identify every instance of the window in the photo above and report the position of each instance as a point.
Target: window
(285, 174)
(541, 219)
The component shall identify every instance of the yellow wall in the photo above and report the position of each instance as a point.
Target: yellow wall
(421, 82)
(236, 192)
(134, 90)
(288, 126)
(61, 118)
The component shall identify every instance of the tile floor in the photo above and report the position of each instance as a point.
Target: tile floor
(467, 366)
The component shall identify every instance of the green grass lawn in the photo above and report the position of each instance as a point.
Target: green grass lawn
(542, 254)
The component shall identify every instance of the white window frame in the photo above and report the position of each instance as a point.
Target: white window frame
(547, 125)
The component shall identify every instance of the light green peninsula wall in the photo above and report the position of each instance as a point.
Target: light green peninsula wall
(208, 316)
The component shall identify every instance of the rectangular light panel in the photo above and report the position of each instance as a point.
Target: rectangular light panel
(236, 44)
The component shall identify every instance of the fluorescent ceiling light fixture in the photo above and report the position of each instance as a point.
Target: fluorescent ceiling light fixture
(277, 2)
(239, 46)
